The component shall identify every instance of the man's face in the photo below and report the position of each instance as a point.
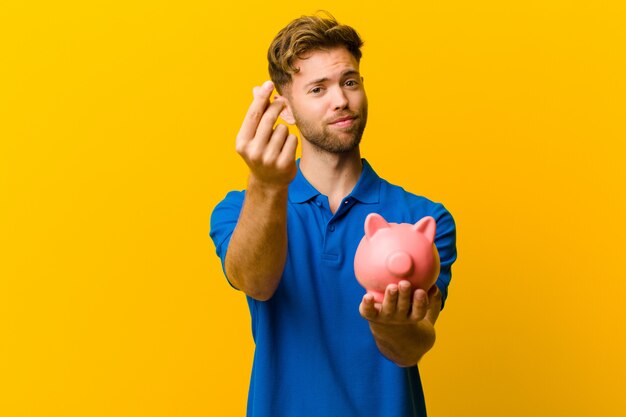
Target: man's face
(328, 100)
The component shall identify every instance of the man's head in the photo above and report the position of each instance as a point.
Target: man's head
(303, 35)
(314, 64)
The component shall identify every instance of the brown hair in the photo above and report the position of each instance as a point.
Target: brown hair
(303, 35)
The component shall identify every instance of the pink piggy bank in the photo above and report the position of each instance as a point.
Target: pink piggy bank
(392, 252)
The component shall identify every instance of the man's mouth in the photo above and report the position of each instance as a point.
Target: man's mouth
(343, 121)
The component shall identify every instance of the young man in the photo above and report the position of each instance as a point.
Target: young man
(323, 347)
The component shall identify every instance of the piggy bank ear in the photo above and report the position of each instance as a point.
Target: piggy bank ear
(428, 227)
(373, 223)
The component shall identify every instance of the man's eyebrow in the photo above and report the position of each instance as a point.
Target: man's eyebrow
(324, 79)
(350, 72)
(318, 81)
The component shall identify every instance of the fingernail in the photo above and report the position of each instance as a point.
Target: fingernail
(421, 299)
(268, 85)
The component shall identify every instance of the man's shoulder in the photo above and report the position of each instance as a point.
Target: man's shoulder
(399, 196)
(229, 207)
(233, 197)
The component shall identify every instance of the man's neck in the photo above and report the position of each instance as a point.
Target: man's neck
(333, 175)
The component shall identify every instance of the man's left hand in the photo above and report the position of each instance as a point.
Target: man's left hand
(403, 324)
(398, 306)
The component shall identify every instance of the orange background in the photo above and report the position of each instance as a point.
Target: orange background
(117, 126)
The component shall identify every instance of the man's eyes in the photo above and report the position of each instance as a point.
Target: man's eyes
(348, 83)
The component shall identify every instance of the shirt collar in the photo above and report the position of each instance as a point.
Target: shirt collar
(366, 190)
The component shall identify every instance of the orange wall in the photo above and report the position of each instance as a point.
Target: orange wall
(117, 126)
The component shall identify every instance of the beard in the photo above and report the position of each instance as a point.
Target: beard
(333, 140)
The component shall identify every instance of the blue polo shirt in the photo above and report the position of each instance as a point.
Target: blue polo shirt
(315, 355)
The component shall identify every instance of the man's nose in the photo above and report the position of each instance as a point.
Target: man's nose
(340, 101)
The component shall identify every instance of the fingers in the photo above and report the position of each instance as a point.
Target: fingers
(288, 152)
(368, 308)
(400, 305)
(433, 292)
(256, 110)
(434, 304)
(266, 125)
(281, 148)
(420, 305)
(276, 142)
(390, 301)
(267, 148)
(397, 303)
(404, 299)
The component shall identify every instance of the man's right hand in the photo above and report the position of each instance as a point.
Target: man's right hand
(258, 248)
(269, 152)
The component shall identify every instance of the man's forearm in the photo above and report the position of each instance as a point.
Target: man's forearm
(258, 248)
(403, 335)
(404, 344)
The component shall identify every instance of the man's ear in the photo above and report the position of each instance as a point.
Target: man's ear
(286, 114)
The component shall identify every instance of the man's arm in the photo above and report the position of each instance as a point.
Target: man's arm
(403, 327)
(258, 248)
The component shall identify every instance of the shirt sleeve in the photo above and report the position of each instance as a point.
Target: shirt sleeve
(223, 221)
(445, 241)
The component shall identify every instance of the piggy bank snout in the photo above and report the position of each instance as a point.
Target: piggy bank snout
(400, 263)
